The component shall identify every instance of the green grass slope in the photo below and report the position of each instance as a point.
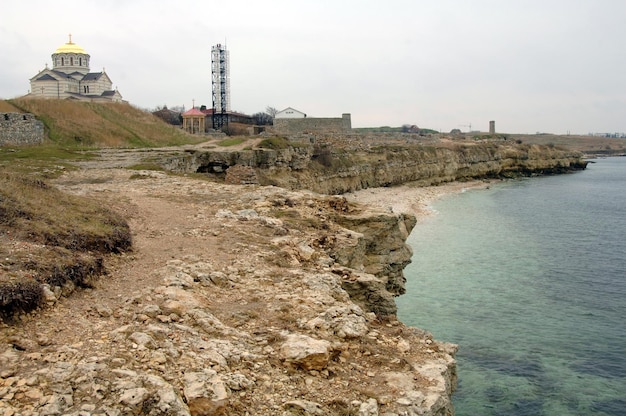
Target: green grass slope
(77, 124)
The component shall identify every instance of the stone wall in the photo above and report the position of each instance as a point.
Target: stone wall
(313, 125)
(20, 129)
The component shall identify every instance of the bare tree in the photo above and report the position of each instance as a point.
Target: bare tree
(168, 115)
(271, 111)
(263, 119)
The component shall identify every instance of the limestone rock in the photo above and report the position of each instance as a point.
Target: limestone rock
(151, 310)
(104, 311)
(48, 294)
(343, 321)
(204, 384)
(369, 408)
(306, 352)
(172, 306)
(142, 339)
(133, 397)
(304, 407)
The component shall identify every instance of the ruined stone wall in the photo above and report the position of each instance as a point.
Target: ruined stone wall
(313, 124)
(20, 129)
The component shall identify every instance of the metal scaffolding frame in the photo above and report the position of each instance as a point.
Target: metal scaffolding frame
(220, 85)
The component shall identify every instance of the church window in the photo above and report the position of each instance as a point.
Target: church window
(80, 60)
(72, 61)
(62, 61)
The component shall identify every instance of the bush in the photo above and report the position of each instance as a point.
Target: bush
(323, 156)
(236, 129)
(19, 296)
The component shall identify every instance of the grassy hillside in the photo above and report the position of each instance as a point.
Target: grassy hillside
(83, 125)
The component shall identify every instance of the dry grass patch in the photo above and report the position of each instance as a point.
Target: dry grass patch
(48, 237)
(34, 211)
(6, 107)
(232, 141)
(94, 125)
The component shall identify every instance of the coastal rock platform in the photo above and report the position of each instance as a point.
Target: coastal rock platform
(236, 300)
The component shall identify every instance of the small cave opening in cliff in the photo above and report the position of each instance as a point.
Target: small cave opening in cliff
(214, 170)
(213, 167)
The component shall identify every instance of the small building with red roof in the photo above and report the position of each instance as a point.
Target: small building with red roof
(194, 121)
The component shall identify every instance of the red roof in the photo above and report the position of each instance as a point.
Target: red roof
(193, 112)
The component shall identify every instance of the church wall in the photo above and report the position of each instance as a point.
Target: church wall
(47, 89)
(96, 87)
(20, 129)
(54, 89)
(103, 85)
(72, 85)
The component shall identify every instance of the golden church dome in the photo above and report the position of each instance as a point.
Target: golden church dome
(70, 47)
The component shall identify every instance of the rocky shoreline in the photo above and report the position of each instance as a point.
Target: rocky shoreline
(242, 298)
(236, 300)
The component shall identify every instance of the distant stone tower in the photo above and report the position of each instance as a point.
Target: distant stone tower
(492, 127)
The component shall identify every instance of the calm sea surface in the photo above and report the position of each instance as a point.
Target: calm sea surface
(529, 278)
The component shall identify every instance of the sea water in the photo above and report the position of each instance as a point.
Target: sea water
(528, 277)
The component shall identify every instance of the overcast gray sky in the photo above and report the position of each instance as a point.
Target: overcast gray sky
(553, 66)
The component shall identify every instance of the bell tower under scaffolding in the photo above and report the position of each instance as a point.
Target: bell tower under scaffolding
(220, 84)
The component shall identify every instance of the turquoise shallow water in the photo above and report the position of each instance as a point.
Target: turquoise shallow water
(529, 278)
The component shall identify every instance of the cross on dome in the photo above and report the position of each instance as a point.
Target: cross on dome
(70, 47)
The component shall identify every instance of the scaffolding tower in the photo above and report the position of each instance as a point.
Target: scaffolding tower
(220, 83)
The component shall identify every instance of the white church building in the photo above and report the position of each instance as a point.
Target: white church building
(70, 78)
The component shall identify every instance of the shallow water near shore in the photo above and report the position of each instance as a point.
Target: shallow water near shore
(529, 278)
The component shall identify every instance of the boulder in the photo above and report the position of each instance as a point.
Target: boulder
(305, 352)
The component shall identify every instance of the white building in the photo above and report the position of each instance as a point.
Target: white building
(290, 113)
(70, 78)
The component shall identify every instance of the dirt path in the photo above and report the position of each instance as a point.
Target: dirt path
(159, 215)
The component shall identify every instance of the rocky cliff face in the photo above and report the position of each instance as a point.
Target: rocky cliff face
(330, 169)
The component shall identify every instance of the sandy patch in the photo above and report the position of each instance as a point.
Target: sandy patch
(411, 199)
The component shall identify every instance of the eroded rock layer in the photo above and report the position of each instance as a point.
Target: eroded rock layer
(345, 164)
